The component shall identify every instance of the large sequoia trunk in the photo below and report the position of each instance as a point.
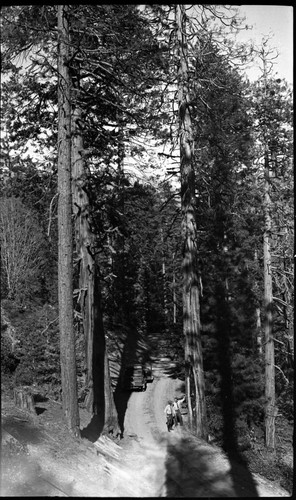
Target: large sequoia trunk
(191, 312)
(65, 245)
(99, 399)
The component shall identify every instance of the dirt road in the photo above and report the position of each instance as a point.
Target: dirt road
(146, 433)
(145, 416)
(148, 462)
(177, 464)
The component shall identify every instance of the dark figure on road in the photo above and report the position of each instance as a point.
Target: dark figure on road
(169, 412)
(177, 411)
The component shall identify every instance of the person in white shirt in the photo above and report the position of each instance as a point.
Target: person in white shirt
(177, 410)
(170, 414)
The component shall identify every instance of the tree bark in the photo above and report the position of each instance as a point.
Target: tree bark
(84, 248)
(269, 342)
(194, 375)
(99, 398)
(65, 245)
(270, 410)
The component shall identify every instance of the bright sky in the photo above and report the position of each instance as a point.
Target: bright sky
(276, 20)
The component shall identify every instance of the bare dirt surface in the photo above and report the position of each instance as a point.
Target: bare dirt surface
(40, 459)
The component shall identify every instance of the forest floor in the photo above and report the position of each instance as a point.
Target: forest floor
(40, 458)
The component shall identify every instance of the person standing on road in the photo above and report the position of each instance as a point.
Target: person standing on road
(177, 410)
(170, 414)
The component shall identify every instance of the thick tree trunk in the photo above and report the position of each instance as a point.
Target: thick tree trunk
(191, 314)
(97, 401)
(84, 247)
(65, 257)
(270, 410)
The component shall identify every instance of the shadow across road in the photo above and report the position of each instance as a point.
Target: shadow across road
(197, 469)
(241, 476)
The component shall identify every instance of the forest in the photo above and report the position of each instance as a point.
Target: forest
(147, 196)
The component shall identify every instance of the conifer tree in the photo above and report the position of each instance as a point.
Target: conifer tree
(272, 115)
(194, 376)
(65, 261)
(228, 229)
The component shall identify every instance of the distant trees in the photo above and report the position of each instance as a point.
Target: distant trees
(137, 286)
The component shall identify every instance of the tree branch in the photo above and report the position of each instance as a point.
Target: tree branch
(50, 323)
(286, 380)
(50, 208)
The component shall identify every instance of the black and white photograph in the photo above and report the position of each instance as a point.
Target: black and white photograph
(147, 250)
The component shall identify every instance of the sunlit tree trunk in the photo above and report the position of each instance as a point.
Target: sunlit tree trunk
(269, 342)
(65, 245)
(270, 410)
(194, 375)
